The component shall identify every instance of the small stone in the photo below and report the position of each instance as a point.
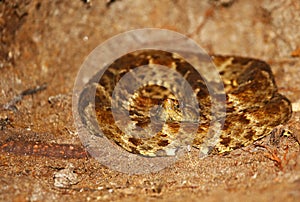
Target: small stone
(65, 177)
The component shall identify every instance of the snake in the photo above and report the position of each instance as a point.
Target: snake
(154, 120)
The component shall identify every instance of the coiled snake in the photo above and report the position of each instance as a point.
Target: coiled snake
(253, 105)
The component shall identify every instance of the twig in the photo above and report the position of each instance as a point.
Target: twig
(272, 154)
(11, 104)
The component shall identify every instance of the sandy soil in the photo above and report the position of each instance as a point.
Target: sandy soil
(45, 43)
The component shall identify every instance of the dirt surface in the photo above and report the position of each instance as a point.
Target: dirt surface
(44, 43)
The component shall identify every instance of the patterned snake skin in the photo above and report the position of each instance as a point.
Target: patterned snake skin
(154, 122)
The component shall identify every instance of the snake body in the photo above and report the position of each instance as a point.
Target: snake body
(253, 105)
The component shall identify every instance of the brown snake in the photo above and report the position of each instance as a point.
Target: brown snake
(253, 105)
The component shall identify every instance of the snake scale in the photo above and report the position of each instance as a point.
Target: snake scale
(253, 105)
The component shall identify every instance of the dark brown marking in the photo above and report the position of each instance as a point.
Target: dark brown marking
(249, 135)
(163, 143)
(135, 141)
(225, 141)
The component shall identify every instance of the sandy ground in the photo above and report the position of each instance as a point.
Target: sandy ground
(45, 43)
